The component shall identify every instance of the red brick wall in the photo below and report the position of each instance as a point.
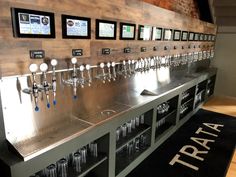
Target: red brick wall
(186, 7)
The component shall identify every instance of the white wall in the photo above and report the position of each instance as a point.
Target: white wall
(225, 61)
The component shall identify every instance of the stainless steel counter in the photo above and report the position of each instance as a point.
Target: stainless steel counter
(33, 133)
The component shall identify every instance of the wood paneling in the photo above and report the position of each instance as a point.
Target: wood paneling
(14, 52)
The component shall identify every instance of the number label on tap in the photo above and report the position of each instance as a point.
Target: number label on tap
(77, 52)
(143, 49)
(106, 51)
(37, 54)
(127, 50)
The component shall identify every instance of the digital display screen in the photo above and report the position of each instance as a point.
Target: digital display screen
(76, 27)
(156, 33)
(30, 23)
(177, 35)
(209, 37)
(167, 34)
(105, 29)
(140, 32)
(191, 36)
(184, 36)
(196, 36)
(127, 31)
(201, 37)
(147, 33)
(213, 38)
(205, 37)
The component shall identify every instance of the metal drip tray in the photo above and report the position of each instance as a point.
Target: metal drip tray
(58, 134)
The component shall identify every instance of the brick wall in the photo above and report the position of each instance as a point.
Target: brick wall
(186, 7)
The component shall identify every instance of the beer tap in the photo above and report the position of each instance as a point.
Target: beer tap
(43, 68)
(74, 77)
(124, 69)
(129, 67)
(54, 80)
(109, 71)
(149, 63)
(81, 69)
(113, 64)
(102, 65)
(87, 67)
(33, 68)
(133, 66)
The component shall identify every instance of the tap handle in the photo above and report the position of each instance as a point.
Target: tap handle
(54, 80)
(102, 65)
(44, 67)
(109, 71)
(88, 67)
(113, 64)
(74, 62)
(81, 69)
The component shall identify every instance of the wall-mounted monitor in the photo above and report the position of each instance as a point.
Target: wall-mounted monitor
(205, 37)
(209, 37)
(191, 36)
(196, 36)
(127, 31)
(144, 32)
(167, 34)
(201, 37)
(32, 24)
(74, 27)
(105, 29)
(213, 37)
(156, 33)
(184, 36)
(177, 35)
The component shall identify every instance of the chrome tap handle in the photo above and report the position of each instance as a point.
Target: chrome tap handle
(81, 69)
(88, 67)
(74, 77)
(129, 67)
(33, 68)
(109, 71)
(133, 66)
(113, 64)
(43, 68)
(124, 68)
(54, 80)
(149, 63)
(102, 65)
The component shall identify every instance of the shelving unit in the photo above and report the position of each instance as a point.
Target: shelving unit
(210, 86)
(200, 93)
(167, 120)
(128, 148)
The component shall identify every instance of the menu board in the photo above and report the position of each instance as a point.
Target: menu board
(184, 36)
(156, 33)
(127, 31)
(191, 36)
(76, 27)
(105, 29)
(176, 35)
(31, 23)
(167, 34)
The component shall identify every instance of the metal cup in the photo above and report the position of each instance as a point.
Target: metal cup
(130, 149)
(118, 130)
(137, 121)
(129, 126)
(76, 162)
(143, 141)
(83, 152)
(124, 130)
(51, 171)
(94, 149)
(62, 168)
(133, 123)
(142, 119)
(137, 144)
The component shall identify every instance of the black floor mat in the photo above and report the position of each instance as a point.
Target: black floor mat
(213, 158)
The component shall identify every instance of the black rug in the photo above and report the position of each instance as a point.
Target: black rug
(214, 145)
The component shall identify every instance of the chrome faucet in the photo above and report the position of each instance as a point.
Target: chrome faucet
(33, 69)
(88, 67)
(74, 77)
(54, 80)
(43, 68)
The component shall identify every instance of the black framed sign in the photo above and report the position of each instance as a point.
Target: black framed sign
(127, 31)
(105, 29)
(201, 38)
(167, 35)
(184, 36)
(191, 36)
(196, 36)
(74, 27)
(140, 32)
(156, 33)
(32, 23)
(177, 35)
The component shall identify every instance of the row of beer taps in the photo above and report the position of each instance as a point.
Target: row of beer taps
(107, 72)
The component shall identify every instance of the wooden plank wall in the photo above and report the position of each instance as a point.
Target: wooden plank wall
(14, 52)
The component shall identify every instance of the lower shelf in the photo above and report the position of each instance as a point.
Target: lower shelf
(91, 163)
(160, 131)
(123, 159)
